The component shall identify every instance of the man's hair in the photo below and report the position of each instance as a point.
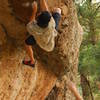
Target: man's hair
(43, 19)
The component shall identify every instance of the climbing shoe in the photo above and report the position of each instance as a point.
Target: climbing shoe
(28, 63)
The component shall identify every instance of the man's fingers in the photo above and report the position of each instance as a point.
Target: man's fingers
(26, 4)
(34, 3)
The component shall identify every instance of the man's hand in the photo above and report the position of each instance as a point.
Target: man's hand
(34, 5)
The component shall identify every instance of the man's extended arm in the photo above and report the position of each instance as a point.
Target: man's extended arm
(43, 5)
(34, 6)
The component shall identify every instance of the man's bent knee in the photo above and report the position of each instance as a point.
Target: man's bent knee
(30, 40)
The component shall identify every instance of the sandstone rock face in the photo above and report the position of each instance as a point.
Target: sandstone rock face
(2, 36)
(19, 82)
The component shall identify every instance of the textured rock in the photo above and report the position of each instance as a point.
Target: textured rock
(13, 26)
(19, 82)
(64, 10)
(3, 37)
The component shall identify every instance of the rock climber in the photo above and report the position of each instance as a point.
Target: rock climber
(42, 29)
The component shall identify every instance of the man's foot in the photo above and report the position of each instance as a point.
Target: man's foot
(29, 63)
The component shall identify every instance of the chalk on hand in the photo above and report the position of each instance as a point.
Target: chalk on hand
(26, 4)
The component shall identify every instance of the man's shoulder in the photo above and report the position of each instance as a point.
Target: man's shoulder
(33, 26)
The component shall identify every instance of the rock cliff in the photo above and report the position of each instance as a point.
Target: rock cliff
(20, 82)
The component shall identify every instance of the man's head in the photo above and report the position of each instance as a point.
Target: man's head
(43, 19)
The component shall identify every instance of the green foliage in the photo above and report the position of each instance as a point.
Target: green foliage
(90, 59)
(89, 17)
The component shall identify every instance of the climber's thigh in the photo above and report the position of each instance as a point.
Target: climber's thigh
(57, 18)
(30, 40)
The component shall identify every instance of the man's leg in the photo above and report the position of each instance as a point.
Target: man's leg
(29, 50)
(57, 16)
(29, 42)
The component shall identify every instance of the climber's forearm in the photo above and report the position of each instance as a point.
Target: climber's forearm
(43, 5)
(33, 17)
(34, 6)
